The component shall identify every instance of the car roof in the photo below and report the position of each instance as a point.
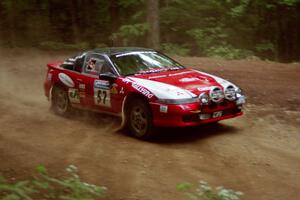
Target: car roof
(119, 50)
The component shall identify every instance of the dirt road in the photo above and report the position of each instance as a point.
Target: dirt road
(258, 153)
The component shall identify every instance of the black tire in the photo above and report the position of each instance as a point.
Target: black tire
(60, 101)
(139, 119)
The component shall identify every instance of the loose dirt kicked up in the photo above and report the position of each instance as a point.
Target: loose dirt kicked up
(258, 153)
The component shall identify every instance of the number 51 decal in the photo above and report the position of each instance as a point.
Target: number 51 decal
(102, 97)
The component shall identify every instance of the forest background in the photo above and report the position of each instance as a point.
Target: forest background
(233, 29)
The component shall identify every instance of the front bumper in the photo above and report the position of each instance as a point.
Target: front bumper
(189, 114)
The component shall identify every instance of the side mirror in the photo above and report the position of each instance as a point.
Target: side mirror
(107, 76)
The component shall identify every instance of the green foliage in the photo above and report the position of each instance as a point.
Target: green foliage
(228, 52)
(239, 9)
(58, 46)
(227, 27)
(16, 191)
(265, 46)
(208, 37)
(174, 49)
(129, 33)
(44, 186)
(211, 41)
(206, 192)
(128, 3)
(289, 2)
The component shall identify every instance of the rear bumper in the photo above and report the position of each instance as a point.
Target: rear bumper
(189, 114)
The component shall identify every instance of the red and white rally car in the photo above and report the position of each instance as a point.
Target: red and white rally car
(144, 87)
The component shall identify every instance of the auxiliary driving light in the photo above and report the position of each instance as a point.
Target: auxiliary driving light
(204, 98)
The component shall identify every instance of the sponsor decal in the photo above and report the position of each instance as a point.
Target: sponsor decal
(102, 93)
(163, 108)
(102, 97)
(185, 80)
(205, 88)
(73, 95)
(179, 93)
(122, 91)
(160, 76)
(101, 84)
(65, 79)
(114, 89)
(157, 70)
(81, 90)
(125, 80)
(142, 90)
(150, 71)
(81, 94)
(82, 86)
(161, 90)
(180, 73)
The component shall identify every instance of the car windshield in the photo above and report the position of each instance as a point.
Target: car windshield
(143, 63)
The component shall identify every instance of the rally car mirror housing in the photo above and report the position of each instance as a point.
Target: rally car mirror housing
(107, 76)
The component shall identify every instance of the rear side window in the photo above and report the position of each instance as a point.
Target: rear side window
(78, 64)
(74, 63)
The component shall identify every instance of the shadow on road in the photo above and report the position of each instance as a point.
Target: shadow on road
(191, 134)
(162, 135)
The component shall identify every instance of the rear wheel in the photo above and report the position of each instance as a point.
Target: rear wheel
(139, 119)
(60, 101)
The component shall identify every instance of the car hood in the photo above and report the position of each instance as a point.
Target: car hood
(185, 83)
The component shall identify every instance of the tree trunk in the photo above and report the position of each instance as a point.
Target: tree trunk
(74, 17)
(10, 19)
(153, 22)
(114, 12)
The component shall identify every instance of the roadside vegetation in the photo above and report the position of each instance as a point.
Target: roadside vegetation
(206, 192)
(71, 187)
(44, 186)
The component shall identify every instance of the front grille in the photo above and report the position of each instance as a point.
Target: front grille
(215, 105)
(190, 118)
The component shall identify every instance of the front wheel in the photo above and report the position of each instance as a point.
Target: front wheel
(60, 101)
(139, 120)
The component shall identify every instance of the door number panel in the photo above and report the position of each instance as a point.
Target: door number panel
(102, 97)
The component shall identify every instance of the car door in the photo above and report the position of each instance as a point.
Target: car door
(100, 93)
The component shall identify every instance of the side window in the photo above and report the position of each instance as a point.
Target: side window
(106, 68)
(93, 64)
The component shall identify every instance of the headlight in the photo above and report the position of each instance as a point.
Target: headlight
(204, 98)
(178, 101)
(216, 94)
(230, 93)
